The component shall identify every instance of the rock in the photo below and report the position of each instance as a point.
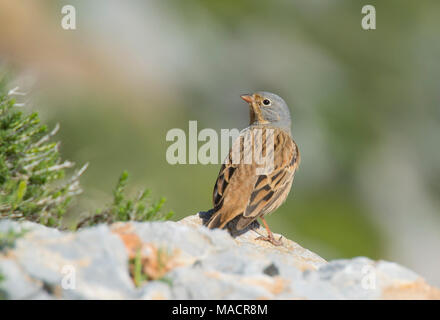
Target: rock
(184, 260)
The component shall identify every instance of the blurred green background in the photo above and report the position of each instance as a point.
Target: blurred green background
(365, 106)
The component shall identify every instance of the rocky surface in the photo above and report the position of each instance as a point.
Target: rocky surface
(184, 260)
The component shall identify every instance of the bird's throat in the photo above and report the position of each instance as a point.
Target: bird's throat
(255, 115)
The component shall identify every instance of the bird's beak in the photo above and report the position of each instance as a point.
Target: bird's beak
(247, 98)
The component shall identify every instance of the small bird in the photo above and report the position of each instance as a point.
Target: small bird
(243, 190)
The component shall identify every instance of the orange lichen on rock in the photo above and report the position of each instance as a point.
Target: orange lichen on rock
(156, 262)
(274, 285)
(131, 240)
(417, 290)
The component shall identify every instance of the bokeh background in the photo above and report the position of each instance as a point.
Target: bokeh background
(365, 106)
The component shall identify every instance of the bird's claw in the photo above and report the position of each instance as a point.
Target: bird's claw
(271, 239)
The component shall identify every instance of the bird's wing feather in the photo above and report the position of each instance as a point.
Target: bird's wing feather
(234, 183)
(271, 190)
(239, 190)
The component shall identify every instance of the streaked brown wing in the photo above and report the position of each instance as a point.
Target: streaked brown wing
(240, 191)
(234, 184)
(271, 190)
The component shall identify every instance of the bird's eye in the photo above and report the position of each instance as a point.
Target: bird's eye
(266, 102)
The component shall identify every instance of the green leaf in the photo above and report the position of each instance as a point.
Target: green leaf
(21, 191)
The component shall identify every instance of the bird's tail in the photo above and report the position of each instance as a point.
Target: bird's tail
(243, 222)
(216, 221)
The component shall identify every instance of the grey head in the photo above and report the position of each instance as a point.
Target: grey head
(268, 109)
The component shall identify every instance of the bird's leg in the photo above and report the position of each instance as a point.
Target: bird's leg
(269, 236)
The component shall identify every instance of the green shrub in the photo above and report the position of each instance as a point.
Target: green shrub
(32, 175)
(33, 182)
(140, 208)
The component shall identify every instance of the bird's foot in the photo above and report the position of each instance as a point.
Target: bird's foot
(270, 238)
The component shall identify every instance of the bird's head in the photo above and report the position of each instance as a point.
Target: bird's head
(268, 108)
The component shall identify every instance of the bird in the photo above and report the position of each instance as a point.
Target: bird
(245, 190)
